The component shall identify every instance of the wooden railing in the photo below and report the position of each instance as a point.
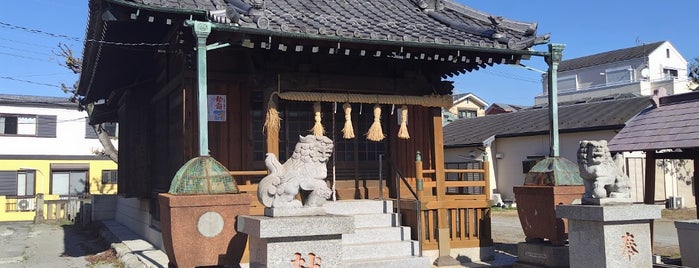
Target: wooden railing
(462, 202)
(247, 186)
(64, 209)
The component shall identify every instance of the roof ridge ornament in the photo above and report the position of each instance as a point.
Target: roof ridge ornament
(429, 5)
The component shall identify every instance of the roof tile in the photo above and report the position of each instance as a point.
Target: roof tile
(674, 124)
(396, 20)
(532, 121)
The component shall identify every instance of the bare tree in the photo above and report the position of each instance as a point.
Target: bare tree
(694, 73)
(75, 65)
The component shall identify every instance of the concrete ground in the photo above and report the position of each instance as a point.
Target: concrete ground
(24, 244)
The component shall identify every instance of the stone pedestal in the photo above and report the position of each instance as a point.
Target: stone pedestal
(199, 230)
(688, 236)
(537, 211)
(541, 255)
(611, 235)
(284, 241)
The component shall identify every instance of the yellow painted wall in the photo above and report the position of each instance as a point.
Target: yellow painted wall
(43, 183)
(43, 173)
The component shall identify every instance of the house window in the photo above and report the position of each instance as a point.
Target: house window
(109, 176)
(667, 53)
(618, 75)
(670, 73)
(110, 127)
(69, 179)
(465, 113)
(18, 125)
(26, 179)
(69, 183)
(568, 82)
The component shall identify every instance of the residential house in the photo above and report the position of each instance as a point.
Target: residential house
(667, 134)
(513, 142)
(499, 108)
(298, 58)
(466, 105)
(636, 70)
(47, 147)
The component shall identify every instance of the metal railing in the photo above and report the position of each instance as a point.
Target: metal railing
(398, 178)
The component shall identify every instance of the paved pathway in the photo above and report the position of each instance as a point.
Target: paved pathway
(25, 244)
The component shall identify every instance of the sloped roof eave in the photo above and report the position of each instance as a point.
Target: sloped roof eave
(341, 39)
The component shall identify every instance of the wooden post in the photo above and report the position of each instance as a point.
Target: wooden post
(443, 238)
(419, 180)
(649, 193)
(486, 178)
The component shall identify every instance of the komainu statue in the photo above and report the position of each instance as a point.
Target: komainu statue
(306, 169)
(601, 175)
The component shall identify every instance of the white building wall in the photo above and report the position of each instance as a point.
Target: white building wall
(70, 134)
(592, 81)
(508, 169)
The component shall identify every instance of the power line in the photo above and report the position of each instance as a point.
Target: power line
(24, 50)
(27, 81)
(72, 38)
(510, 76)
(25, 43)
(22, 56)
(37, 75)
(11, 26)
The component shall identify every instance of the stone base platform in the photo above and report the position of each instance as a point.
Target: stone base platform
(282, 241)
(541, 255)
(611, 235)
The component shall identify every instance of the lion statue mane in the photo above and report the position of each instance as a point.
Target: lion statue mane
(305, 170)
(601, 175)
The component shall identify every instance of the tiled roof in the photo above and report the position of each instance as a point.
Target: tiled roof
(510, 107)
(609, 57)
(36, 101)
(606, 114)
(673, 125)
(415, 21)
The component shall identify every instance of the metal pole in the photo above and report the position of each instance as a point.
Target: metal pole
(553, 59)
(201, 32)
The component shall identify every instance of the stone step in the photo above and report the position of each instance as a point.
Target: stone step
(377, 250)
(360, 206)
(377, 234)
(395, 262)
(375, 220)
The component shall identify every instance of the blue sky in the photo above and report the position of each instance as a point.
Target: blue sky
(586, 27)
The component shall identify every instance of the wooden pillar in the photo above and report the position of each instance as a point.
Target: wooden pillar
(649, 193)
(443, 239)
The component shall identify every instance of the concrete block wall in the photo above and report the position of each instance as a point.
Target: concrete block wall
(134, 214)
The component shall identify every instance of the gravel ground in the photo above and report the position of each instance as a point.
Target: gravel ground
(507, 231)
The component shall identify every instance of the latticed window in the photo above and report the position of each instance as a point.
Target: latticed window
(110, 176)
(351, 156)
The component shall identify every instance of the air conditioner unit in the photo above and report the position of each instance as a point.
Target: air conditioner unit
(675, 202)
